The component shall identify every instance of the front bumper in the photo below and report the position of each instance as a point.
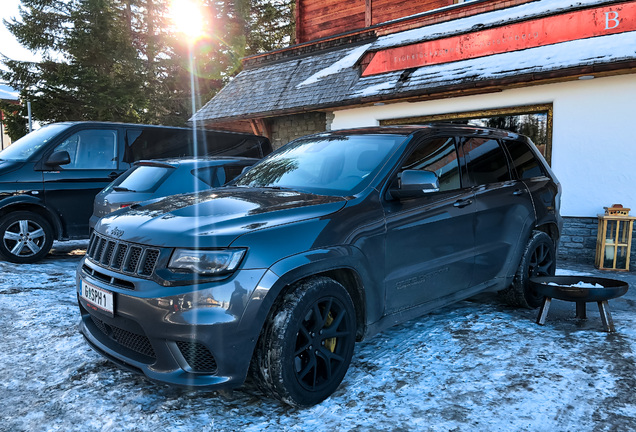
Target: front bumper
(191, 336)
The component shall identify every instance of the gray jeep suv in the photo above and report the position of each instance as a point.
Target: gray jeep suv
(327, 241)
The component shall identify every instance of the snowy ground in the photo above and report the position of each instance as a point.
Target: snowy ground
(474, 366)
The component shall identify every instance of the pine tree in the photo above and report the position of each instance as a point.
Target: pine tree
(89, 70)
(122, 60)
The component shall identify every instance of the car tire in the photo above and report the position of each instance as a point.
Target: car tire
(306, 346)
(539, 259)
(25, 237)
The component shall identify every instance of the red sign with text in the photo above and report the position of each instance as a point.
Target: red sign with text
(514, 37)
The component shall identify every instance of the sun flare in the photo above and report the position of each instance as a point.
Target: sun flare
(187, 16)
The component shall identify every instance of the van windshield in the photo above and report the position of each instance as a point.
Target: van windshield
(28, 145)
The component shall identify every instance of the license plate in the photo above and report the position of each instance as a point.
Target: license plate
(98, 298)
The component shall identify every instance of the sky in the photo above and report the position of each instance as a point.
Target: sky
(8, 45)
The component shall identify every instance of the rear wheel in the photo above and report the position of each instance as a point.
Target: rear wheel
(539, 259)
(25, 237)
(307, 344)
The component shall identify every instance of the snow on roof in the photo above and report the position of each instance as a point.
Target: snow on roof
(490, 19)
(346, 62)
(7, 93)
(331, 78)
(585, 52)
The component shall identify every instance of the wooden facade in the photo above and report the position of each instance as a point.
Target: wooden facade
(319, 19)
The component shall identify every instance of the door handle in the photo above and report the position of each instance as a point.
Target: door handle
(518, 192)
(462, 203)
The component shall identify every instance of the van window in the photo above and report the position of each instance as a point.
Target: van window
(486, 161)
(91, 149)
(164, 142)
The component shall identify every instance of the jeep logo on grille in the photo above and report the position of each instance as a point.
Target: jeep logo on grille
(116, 232)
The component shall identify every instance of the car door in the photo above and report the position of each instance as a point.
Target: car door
(503, 207)
(70, 189)
(429, 239)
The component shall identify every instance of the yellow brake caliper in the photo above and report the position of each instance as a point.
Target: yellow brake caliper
(330, 343)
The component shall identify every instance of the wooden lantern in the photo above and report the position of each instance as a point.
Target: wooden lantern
(614, 239)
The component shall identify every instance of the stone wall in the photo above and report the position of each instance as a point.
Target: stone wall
(287, 128)
(578, 241)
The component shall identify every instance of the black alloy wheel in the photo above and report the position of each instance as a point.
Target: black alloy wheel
(307, 345)
(539, 259)
(25, 237)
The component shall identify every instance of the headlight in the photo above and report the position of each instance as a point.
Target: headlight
(206, 262)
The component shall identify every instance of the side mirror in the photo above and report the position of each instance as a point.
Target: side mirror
(415, 183)
(58, 158)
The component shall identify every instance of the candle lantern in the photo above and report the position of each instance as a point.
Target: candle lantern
(614, 239)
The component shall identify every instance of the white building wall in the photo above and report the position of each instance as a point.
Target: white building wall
(593, 143)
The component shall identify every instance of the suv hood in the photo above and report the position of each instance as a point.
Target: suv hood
(213, 218)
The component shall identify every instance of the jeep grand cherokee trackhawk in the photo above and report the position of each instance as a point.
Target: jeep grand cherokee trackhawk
(329, 240)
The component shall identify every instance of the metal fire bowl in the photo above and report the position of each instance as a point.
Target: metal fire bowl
(612, 288)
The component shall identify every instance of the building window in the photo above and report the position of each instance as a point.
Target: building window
(534, 121)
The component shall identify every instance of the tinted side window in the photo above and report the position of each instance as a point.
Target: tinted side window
(91, 149)
(486, 161)
(232, 171)
(157, 143)
(209, 175)
(523, 160)
(439, 156)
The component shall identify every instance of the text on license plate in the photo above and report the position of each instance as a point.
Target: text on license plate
(97, 297)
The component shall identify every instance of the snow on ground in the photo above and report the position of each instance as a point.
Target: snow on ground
(474, 366)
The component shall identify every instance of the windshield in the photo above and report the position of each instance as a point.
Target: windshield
(25, 147)
(326, 165)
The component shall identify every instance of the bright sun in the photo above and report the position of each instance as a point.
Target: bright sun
(187, 17)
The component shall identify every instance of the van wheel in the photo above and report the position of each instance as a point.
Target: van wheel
(307, 344)
(25, 237)
(539, 259)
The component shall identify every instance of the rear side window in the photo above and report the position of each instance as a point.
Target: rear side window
(218, 175)
(157, 143)
(209, 175)
(144, 178)
(486, 161)
(232, 172)
(523, 160)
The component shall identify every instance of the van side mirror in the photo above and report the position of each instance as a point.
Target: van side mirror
(59, 158)
(415, 183)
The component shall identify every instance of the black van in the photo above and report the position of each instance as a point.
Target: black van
(49, 178)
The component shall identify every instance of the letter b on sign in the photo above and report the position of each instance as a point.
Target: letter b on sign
(611, 20)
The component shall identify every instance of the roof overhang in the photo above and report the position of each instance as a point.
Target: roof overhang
(569, 39)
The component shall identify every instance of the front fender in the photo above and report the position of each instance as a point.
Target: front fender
(294, 268)
(27, 202)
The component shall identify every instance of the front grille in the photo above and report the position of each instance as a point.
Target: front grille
(198, 356)
(122, 256)
(132, 341)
